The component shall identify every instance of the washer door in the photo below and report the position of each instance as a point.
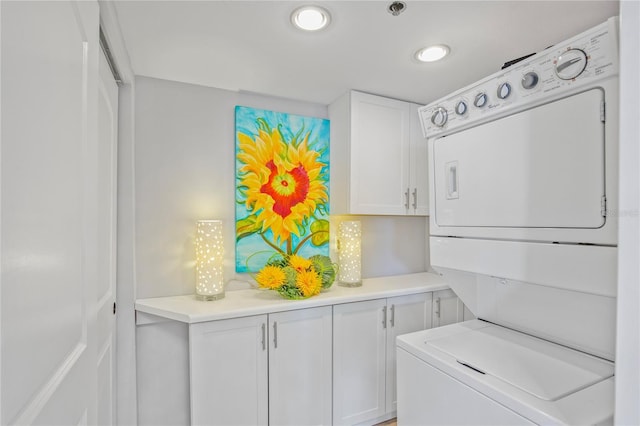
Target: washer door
(540, 168)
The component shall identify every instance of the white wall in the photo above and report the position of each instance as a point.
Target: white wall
(184, 171)
(628, 337)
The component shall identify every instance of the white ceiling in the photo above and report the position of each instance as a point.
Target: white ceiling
(251, 45)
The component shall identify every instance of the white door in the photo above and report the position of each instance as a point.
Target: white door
(419, 167)
(49, 221)
(447, 308)
(380, 136)
(300, 367)
(359, 362)
(228, 372)
(107, 204)
(406, 314)
(540, 168)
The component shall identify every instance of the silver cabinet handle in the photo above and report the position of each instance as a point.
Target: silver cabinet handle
(415, 198)
(275, 335)
(264, 336)
(384, 317)
(438, 307)
(406, 199)
(393, 315)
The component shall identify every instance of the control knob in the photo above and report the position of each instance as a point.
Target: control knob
(439, 117)
(480, 100)
(504, 90)
(529, 80)
(461, 108)
(571, 64)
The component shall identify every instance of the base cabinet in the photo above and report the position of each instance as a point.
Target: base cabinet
(228, 372)
(300, 367)
(407, 314)
(265, 369)
(448, 309)
(314, 366)
(364, 376)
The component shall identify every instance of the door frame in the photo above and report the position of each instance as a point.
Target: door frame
(125, 380)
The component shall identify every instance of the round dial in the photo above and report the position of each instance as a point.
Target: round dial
(439, 117)
(480, 100)
(504, 90)
(461, 108)
(571, 64)
(529, 80)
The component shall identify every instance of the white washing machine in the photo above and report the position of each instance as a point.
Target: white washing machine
(523, 191)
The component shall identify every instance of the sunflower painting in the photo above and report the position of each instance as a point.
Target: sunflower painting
(282, 187)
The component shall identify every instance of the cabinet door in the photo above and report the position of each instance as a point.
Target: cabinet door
(447, 308)
(419, 179)
(228, 372)
(300, 367)
(359, 346)
(406, 314)
(380, 137)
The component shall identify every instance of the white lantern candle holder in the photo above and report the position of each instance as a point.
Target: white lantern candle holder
(349, 254)
(209, 260)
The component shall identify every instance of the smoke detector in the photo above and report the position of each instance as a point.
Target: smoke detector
(396, 8)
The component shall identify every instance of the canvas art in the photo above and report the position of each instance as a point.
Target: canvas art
(282, 187)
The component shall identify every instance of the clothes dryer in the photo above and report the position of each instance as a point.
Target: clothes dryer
(523, 190)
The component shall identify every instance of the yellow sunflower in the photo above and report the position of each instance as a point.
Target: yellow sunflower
(271, 277)
(309, 283)
(282, 182)
(299, 263)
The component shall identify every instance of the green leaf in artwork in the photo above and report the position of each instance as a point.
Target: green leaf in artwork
(247, 226)
(319, 232)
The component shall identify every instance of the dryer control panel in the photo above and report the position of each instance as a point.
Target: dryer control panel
(551, 74)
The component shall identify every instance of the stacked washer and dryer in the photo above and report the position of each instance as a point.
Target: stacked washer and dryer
(523, 191)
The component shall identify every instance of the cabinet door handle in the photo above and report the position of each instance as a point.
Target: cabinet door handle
(275, 335)
(438, 307)
(406, 199)
(384, 317)
(264, 336)
(393, 315)
(415, 198)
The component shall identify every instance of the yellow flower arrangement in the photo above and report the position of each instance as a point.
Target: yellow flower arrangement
(295, 277)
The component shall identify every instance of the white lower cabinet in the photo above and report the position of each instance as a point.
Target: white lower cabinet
(228, 371)
(364, 354)
(447, 308)
(265, 369)
(315, 366)
(408, 314)
(300, 367)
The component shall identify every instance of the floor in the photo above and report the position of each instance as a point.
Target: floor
(392, 422)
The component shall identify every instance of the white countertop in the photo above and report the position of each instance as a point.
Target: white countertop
(240, 303)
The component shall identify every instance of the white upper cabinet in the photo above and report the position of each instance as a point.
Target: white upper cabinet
(419, 176)
(378, 157)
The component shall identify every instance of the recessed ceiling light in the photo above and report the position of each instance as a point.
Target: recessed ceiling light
(310, 18)
(432, 53)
